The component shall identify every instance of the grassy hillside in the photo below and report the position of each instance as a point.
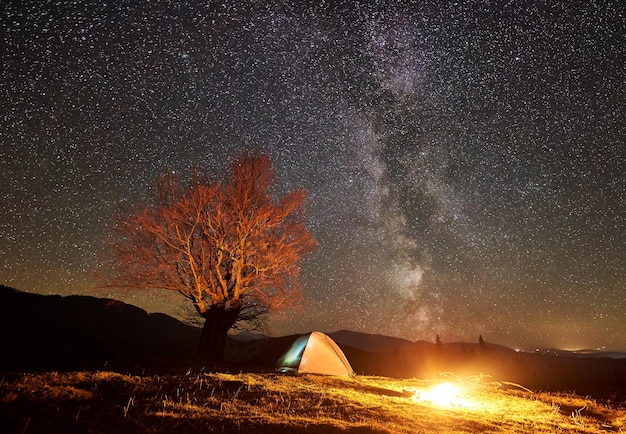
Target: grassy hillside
(59, 354)
(105, 402)
(78, 333)
(602, 378)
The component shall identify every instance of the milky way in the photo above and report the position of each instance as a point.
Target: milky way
(464, 160)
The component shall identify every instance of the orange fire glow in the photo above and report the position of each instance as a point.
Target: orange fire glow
(444, 395)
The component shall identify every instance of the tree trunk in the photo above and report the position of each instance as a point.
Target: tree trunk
(218, 320)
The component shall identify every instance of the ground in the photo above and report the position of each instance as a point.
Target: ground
(198, 401)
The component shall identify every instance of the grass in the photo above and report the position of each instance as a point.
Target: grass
(103, 402)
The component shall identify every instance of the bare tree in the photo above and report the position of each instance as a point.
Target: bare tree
(230, 248)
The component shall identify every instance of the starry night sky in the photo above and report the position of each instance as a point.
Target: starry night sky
(464, 160)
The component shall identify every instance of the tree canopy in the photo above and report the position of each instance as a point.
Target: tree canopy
(231, 248)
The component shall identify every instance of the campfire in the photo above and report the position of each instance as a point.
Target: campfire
(445, 394)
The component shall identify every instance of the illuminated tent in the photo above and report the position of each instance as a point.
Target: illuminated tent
(315, 353)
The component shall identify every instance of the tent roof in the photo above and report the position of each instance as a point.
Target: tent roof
(315, 353)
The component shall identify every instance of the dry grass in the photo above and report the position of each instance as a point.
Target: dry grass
(102, 402)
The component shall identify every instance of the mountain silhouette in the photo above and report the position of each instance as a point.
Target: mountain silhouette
(80, 332)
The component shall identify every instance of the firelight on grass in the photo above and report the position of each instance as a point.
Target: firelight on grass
(444, 395)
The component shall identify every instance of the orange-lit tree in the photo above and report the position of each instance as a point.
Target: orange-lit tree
(230, 248)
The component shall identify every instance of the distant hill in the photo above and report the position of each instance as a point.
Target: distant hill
(372, 343)
(72, 332)
(582, 353)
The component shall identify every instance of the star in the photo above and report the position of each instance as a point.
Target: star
(464, 162)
